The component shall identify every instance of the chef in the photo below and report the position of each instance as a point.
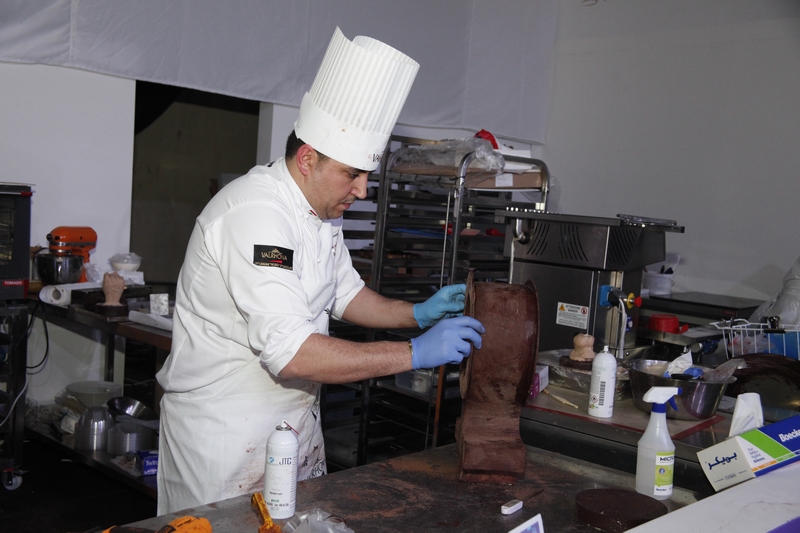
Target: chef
(265, 269)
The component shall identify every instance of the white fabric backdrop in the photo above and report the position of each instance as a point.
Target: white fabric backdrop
(484, 63)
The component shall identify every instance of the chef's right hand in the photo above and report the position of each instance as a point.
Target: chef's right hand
(448, 341)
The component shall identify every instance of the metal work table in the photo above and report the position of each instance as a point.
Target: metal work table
(421, 492)
(110, 329)
(549, 424)
(100, 459)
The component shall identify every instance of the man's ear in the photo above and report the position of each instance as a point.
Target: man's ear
(306, 159)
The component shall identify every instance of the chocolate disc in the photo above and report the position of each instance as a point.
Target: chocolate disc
(616, 510)
(566, 362)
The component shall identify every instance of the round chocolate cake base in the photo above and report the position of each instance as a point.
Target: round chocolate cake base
(566, 362)
(616, 510)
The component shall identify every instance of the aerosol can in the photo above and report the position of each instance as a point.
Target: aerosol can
(280, 475)
(655, 459)
(603, 385)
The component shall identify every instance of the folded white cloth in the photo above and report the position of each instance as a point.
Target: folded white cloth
(680, 364)
(149, 319)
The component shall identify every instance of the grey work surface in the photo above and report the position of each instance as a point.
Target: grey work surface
(421, 492)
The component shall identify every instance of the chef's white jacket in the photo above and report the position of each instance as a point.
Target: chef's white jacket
(262, 272)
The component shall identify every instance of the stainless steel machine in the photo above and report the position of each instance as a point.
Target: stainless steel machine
(583, 267)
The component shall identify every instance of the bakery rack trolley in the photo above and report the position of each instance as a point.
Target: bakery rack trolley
(421, 201)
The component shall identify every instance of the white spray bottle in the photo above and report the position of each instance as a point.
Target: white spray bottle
(655, 460)
(603, 385)
(280, 475)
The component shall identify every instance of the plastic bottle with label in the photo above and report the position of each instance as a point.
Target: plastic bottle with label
(655, 457)
(280, 475)
(603, 384)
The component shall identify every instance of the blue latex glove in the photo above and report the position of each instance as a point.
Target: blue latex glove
(448, 302)
(446, 342)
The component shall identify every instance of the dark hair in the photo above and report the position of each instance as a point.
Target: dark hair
(293, 144)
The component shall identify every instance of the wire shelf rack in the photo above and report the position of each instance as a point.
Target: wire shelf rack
(744, 337)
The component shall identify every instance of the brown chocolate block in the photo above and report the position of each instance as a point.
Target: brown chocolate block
(496, 380)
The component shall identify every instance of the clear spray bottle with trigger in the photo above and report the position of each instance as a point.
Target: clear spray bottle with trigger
(655, 458)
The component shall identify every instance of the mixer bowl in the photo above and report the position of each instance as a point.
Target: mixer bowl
(698, 399)
(57, 269)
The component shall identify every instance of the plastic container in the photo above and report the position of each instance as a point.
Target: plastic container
(129, 261)
(603, 384)
(655, 456)
(280, 475)
(658, 284)
(421, 382)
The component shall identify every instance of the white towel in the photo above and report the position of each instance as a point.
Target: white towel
(747, 414)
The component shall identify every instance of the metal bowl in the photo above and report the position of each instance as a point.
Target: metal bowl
(57, 269)
(698, 399)
(122, 405)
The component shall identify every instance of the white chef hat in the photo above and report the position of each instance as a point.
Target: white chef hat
(353, 104)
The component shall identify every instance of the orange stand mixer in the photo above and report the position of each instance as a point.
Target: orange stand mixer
(73, 240)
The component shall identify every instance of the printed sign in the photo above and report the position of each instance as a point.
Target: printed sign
(574, 316)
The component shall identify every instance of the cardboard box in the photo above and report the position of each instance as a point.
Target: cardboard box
(541, 379)
(753, 453)
(524, 180)
(147, 461)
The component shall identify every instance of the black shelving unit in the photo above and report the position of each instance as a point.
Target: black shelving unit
(13, 359)
(428, 229)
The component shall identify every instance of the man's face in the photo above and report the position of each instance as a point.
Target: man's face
(334, 186)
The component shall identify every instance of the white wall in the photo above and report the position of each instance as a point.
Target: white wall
(690, 111)
(69, 133)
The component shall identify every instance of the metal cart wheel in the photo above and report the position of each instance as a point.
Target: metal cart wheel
(11, 481)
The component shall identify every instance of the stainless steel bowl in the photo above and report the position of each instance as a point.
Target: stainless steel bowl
(698, 399)
(57, 269)
(129, 437)
(122, 405)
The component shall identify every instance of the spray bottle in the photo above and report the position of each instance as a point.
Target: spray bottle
(280, 476)
(655, 460)
(603, 385)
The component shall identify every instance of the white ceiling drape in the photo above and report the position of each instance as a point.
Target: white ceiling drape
(484, 63)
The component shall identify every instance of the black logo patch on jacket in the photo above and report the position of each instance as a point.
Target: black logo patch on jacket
(272, 256)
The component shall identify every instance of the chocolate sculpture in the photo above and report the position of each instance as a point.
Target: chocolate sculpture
(495, 381)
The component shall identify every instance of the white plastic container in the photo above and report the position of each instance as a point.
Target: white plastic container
(655, 458)
(280, 475)
(658, 284)
(603, 384)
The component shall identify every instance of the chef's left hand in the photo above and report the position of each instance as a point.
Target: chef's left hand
(448, 302)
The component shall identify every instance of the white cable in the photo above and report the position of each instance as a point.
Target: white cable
(11, 410)
(623, 324)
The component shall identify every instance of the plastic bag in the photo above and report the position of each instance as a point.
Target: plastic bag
(449, 153)
(724, 372)
(785, 303)
(316, 521)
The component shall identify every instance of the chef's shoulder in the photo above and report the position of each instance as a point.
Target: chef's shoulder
(262, 187)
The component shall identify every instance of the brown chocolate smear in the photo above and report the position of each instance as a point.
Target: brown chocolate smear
(616, 510)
